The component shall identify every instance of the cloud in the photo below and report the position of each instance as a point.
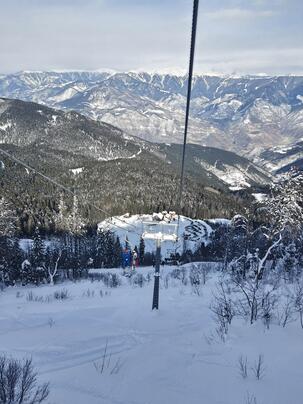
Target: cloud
(233, 35)
(238, 13)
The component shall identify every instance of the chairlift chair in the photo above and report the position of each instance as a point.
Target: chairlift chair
(159, 231)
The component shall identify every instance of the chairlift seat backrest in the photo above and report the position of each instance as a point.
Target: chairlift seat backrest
(159, 231)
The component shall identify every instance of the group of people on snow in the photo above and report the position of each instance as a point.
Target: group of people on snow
(130, 259)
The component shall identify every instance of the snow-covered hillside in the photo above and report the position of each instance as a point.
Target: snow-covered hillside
(281, 158)
(191, 232)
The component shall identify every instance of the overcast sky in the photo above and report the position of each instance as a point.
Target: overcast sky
(234, 36)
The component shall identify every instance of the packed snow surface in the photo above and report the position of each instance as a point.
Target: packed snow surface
(259, 197)
(170, 356)
(76, 171)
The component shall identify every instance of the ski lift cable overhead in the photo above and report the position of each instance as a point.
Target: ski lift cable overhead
(189, 89)
(68, 190)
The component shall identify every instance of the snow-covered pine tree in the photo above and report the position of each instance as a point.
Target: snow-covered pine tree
(38, 250)
(109, 258)
(7, 218)
(141, 251)
(117, 253)
(7, 229)
(284, 211)
(15, 259)
(127, 245)
(60, 219)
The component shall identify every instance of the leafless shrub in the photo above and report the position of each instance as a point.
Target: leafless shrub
(298, 301)
(256, 300)
(205, 269)
(194, 275)
(88, 293)
(18, 383)
(101, 365)
(117, 366)
(195, 278)
(31, 297)
(221, 331)
(268, 305)
(196, 290)
(51, 322)
(181, 274)
(223, 309)
(48, 298)
(138, 280)
(166, 281)
(250, 399)
(242, 363)
(61, 294)
(210, 339)
(106, 364)
(258, 368)
(285, 314)
(111, 280)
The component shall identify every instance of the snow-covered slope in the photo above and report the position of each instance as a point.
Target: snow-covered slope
(174, 356)
(233, 170)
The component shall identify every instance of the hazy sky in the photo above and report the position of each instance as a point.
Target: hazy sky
(234, 36)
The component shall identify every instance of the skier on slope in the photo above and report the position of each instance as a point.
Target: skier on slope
(134, 260)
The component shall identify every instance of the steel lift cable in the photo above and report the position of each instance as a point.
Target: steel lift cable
(189, 89)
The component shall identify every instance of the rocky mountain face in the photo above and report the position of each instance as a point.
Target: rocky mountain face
(247, 115)
(110, 169)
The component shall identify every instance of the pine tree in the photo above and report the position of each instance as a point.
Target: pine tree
(127, 245)
(117, 253)
(109, 250)
(60, 218)
(7, 219)
(38, 250)
(15, 259)
(141, 251)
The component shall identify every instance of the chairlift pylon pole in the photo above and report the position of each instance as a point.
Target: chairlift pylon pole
(157, 276)
(166, 232)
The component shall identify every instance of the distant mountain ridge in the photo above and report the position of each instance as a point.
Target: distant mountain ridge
(247, 115)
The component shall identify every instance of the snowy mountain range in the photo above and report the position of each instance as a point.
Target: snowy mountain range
(247, 115)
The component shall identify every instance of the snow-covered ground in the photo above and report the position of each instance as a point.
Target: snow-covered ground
(170, 356)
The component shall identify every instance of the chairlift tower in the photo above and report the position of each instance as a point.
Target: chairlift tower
(159, 232)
